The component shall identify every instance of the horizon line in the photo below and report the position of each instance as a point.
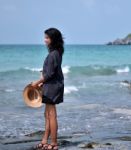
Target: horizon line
(45, 45)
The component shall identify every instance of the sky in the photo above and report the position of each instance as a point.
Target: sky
(80, 21)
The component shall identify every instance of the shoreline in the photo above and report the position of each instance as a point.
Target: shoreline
(78, 140)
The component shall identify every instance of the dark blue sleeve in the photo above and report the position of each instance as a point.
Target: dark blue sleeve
(50, 67)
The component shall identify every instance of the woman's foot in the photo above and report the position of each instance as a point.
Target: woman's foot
(52, 147)
(45, 146)
(42, 145)
(39, 145)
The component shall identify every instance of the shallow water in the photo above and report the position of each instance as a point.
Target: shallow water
(95, 101)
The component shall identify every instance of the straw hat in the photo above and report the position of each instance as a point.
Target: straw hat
(32, 96)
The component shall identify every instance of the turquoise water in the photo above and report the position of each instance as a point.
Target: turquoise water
(93, 89)
(21, 56)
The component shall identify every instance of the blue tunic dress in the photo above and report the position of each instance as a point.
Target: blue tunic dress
(53, 87)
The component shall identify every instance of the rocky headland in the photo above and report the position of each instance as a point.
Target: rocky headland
(123, 41)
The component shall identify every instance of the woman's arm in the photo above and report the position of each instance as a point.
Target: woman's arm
(51, 66)
(50, 71)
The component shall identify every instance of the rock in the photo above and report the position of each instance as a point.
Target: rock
(108, 144)
(126, 83)
(124, 138)
(124, 41)
(64, 143)
(88, 145)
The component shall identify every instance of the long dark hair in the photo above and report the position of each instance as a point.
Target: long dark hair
(57, 42)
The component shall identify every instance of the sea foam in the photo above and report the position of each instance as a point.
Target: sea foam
(69, 89)
(124, 70)
(10, 90)
(65, 69)
(33, 69)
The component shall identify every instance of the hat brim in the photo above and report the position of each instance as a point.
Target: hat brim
(32, 96)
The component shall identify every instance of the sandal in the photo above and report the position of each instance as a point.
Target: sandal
(45, 146)
(40, 145)
(52, 147)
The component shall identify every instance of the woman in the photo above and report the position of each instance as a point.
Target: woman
(53, 86)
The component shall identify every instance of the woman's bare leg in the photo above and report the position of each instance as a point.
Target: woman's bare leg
(53, 124)
(47, 125)
(44, 141)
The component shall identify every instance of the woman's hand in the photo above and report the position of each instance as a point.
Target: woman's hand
(37, 83)
(34, 84)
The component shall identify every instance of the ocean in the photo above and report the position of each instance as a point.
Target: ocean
(95, 100)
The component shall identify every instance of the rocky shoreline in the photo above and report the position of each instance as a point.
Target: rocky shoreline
(76, 141)
(124, 41)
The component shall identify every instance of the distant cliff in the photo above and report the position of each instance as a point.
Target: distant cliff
(124, 41)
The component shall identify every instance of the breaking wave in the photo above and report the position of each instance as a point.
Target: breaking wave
(91, 70)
